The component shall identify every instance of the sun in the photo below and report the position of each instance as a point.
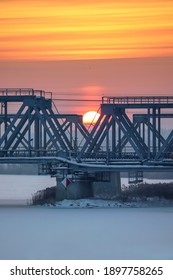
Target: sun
(90, 117)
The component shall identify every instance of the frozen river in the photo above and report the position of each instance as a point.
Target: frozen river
(119, 233)
(18, 189)
(51, 233)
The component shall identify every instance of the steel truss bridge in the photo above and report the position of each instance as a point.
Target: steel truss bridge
(129, 134)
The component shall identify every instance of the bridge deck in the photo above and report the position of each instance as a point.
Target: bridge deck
(137, 100)
(24, 92)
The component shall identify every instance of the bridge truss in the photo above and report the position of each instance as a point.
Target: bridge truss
(30, 127)
(121, 135)
(130, 132)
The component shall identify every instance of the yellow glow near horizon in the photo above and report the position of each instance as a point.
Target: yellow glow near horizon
(90, 117)
(58, 30)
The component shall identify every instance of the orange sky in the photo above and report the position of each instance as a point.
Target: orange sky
(86, 49)
(68, 30)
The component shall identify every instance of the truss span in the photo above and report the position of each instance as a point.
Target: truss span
(129, 132)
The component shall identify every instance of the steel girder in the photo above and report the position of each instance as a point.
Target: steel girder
(73, 128)
(18, 129)
(71, 125)
(37, 129)
(148, 143)
(167, 148)
(164, 146)
(124, 140)
(130, 132)
(105, 127)
(93, 137)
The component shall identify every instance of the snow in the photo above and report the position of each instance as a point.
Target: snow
(104, 203)
(86, 233)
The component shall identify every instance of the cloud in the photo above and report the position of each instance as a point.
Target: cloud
(58, 30)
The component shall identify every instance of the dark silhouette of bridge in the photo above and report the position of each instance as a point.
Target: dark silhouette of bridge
(129, 134)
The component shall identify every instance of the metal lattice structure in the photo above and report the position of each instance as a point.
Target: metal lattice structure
(116, 136)
(129, 131)
(34, 129)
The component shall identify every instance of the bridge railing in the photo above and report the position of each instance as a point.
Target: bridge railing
(99, 157)
(138, 100)
(24, 92)
(29, 153)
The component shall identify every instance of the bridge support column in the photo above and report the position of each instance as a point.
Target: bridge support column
(108, 189)
(76, 190)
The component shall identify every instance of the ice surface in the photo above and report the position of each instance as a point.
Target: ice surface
(82, 229)
(104, 233)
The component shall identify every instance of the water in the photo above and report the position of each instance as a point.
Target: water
(18, 189)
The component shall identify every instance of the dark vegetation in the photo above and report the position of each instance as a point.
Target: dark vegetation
(47, 196)
(140, 191)
(145, 190)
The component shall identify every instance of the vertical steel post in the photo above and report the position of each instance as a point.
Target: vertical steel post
(75, 140)
(140, 130)
(113, 137)
(159, 129)
(5, 119)
(143, 131)
(41, 135)
(71, 133)
(119, 140)
(149, 140)
(107, 147)
(29, 132)
(36, 134)
(44, 140)
(154, 132)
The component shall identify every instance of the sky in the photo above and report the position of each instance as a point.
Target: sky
(87, 49)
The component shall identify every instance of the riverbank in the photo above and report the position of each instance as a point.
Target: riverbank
(141, 195)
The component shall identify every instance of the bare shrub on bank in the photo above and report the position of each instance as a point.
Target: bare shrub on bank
(144, 190)
(44, 196)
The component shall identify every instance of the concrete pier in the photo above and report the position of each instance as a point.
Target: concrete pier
(76, 190)
(108, 189)
(86, 188)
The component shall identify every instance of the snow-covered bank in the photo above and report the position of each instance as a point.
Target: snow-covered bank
(104, 203)
(140, 195)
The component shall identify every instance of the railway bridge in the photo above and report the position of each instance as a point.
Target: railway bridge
(132, 134)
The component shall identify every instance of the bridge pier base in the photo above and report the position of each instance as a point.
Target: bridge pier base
(76, 190)
(108, 189)
(83, 188)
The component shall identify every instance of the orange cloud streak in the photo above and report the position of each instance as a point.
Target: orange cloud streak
(58, 30)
